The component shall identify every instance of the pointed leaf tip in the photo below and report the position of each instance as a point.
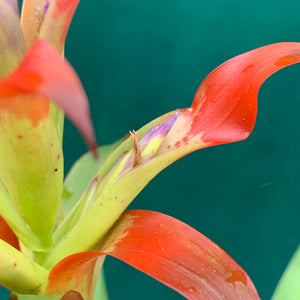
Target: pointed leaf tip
(44, 72)
(225, 104)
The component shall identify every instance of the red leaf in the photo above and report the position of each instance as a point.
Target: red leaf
(178, 256)
(170, 251)
(7, 235)
(225, 104)
(75, 272)
(44, 72)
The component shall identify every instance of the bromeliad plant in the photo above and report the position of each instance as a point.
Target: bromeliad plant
(54, 236)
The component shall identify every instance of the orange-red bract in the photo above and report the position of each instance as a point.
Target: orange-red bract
(43, 72)
(225, 104)
(7, 235)
(166, 249)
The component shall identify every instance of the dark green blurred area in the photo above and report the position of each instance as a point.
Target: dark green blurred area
(140, 59)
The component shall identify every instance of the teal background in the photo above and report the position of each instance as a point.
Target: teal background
(140, 59)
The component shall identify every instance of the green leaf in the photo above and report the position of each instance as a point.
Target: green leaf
(15, 221)
(101, 291)
(58, 118)
(31, 168)
(76, 182)
(31, 159)
(35, 297)
(81, 174)
(18, 273)
(288, 287)
(105, 208)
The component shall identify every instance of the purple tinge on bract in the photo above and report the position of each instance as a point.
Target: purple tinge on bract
(13, 4)
(158, 130)
(46, 6)
(158, 133)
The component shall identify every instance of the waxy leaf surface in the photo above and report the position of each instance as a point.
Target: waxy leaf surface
(168, 250)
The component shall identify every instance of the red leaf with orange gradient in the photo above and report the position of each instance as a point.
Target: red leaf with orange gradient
(178, 256)
(226, 101)
(44, 72)
(76, 272)
(168, 250)
(7, 235)
(225, 105)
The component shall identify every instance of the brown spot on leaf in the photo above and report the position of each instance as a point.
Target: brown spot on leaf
(248, 68)
(237, 275)
(72, 295)
(285, 60)
(13, 297)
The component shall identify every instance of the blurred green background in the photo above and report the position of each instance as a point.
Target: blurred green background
(140, 59)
